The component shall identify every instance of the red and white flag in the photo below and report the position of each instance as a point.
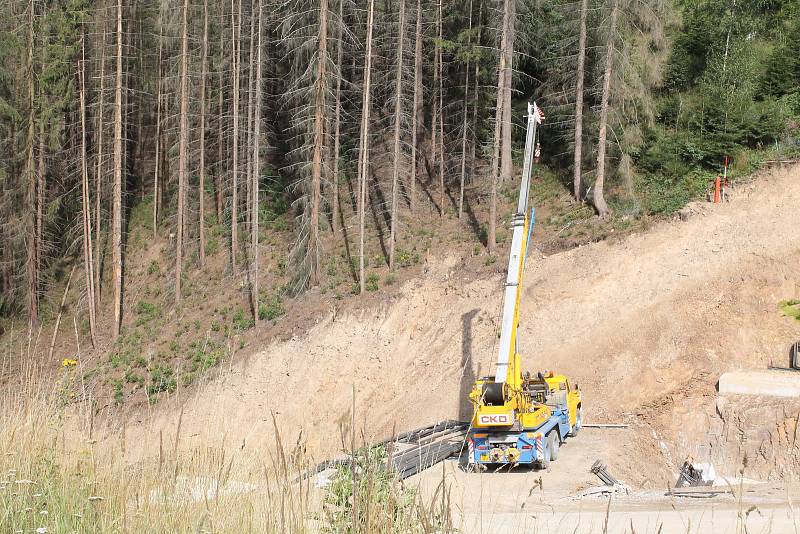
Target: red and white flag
(538, 116)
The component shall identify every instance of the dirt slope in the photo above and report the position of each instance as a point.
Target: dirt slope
(645, 325)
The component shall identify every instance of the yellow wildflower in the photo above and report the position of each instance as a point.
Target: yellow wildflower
(68, 362)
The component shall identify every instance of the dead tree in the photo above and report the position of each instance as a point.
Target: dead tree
(319, 124)
(506, 164)
(465, 112)
(237, 49)
(578, 156)
(201, 256)
(86, 207)
(416, 107)
(98, 177)
(435, 113)
(599, 200)
(31, 183)
(398, 109)
(501, 117)
(363, 166)
(337, 124)
(256, 174)
(182, 148)
(156, 190)
(440, 91)
(117, 194)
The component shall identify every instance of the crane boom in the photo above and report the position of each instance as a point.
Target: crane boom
(520, 226)
(521, 419)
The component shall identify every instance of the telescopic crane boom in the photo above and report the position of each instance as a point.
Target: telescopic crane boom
(519, 419)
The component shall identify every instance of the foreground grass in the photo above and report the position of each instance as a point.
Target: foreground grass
(57, 475)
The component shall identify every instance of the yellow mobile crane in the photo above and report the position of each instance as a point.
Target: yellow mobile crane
(519, 419)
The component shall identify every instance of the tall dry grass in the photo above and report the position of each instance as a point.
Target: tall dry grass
(60, 471)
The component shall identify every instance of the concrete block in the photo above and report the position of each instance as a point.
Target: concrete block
(769, 383)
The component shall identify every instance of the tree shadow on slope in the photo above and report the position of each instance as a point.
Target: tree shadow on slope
(468, 375)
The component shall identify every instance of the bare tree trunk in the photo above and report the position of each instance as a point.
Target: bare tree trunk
(41, 168)
(32, 274)
(416, 106)
(182, 143)
(117, 200)
(86, 206)
(599, 200)
(579, 102)
(398, 109)
(440, 90)
(256, 175)
(435, 111)
(500, 119)
(58, 317)
(506, 163)
(464, 124)
(250, 92)
(234, 187)
(476, 99)
(319, 126)
(364, 148)
(156, 191)
(40, 185)
(221, 131)
(337, 126)
(98, 177)
(464, 129)
(201, 186)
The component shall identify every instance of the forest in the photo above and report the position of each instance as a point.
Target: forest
(213, 125)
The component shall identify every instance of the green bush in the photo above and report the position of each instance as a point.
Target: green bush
(162, 378)
(242, 320)
(372, 282)
(132, 377)
(271, 310)
(146, 311)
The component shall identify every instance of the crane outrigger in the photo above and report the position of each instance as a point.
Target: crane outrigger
(519, 419)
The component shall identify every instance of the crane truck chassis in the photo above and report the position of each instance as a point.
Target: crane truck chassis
(519, 419)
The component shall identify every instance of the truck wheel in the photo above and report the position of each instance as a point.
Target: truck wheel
(555, 445)
(578, 422)
(549, 445)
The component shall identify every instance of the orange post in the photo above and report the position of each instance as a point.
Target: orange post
(717, 185)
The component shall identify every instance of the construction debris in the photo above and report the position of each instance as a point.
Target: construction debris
(698, 492)
(696, 474)
(601, 491)
(409, 452)
(601, 470)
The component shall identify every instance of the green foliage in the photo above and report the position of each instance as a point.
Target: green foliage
(146, 312)
(119, 395)
(405, 258)
(242, 320)
(790, 308)
(667, 194)
(374, 488)
(271, 310)
(372, 281)
(131, 377)
(162, 378)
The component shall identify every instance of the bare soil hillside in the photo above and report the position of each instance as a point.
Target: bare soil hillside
(645, 325)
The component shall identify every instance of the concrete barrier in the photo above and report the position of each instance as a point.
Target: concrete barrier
(770, 383)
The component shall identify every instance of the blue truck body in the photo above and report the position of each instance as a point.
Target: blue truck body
(528, 446)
